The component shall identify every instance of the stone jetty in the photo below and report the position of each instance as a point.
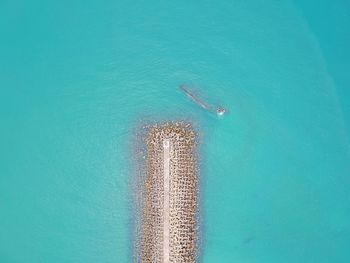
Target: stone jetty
(168, 230)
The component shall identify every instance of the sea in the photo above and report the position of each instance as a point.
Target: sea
(79, 78)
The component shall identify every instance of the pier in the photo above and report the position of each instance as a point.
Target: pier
(169, 210)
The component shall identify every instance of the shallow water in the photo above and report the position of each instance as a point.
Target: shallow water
(75, 79)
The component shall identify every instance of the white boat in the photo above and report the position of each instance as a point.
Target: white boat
(220, 111)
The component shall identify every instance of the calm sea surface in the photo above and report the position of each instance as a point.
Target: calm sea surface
(77, 76)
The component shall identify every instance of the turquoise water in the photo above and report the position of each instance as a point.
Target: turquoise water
(77, 76)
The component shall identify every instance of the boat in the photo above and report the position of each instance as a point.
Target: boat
(220, 111)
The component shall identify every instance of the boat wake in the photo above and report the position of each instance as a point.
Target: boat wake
(220, 111)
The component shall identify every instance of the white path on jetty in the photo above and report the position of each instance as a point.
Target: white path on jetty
(166, 211)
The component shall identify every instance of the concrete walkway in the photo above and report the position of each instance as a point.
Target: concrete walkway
(166, 211)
